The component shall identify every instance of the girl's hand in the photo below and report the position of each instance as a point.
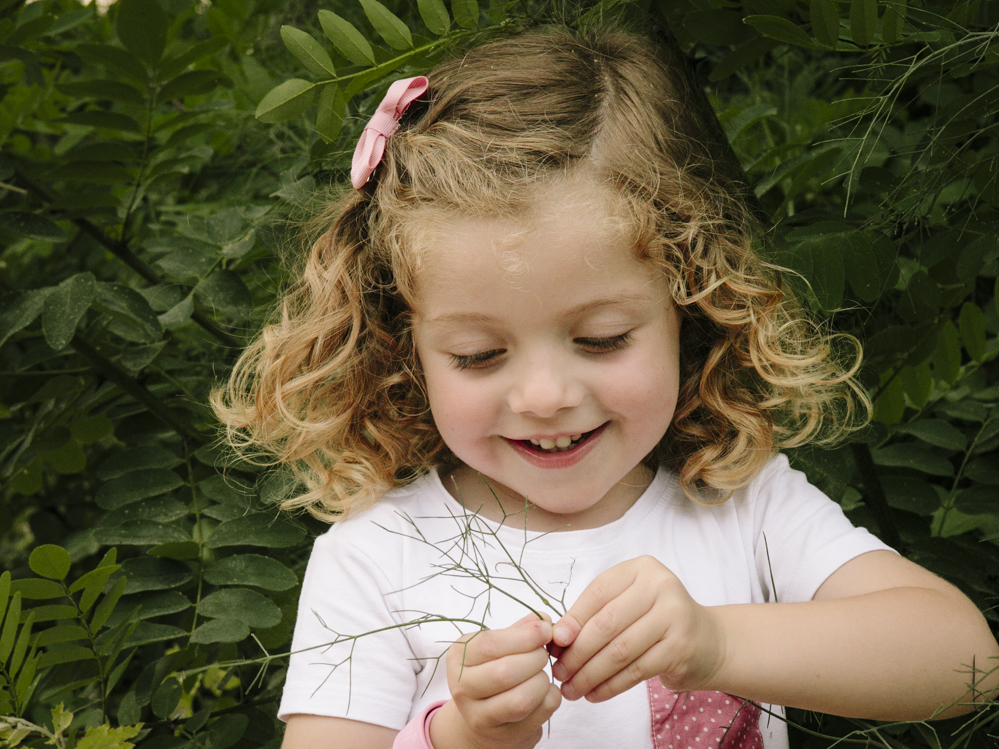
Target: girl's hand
(634, 622)
(500, 694)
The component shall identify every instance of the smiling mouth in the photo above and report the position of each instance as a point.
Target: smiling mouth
(560, 445)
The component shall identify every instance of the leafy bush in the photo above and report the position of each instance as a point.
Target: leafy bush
(153, 154)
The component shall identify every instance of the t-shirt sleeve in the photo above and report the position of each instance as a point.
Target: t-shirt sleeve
(370, 678)
(802, 536)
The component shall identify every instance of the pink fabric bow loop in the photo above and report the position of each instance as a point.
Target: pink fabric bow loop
(384, 122)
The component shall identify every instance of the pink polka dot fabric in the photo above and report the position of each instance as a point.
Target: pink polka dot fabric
(702, 720)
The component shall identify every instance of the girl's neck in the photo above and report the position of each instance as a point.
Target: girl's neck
(495, 502)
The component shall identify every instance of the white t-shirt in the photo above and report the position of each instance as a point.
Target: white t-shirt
(417, 553)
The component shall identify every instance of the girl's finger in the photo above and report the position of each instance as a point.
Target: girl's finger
(604, 589)
(600, 630)
(516, 705)
(495, 677)
(525, 636)
(646, 666)
(622, 655)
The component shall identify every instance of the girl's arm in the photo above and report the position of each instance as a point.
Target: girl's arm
(882, 638)
(320, 732)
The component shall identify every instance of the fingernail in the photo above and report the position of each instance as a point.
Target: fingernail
(560, 633)
(568, 692)
(559, 672)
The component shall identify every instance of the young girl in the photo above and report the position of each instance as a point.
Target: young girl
(538, 378)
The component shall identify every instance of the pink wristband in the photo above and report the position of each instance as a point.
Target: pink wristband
(416, 734)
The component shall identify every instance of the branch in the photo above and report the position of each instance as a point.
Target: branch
(124, 253)
(153, 403)
(874, 494)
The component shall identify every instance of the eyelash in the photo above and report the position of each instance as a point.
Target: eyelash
(483, 359)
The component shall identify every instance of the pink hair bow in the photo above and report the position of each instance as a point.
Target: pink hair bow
(384, 122)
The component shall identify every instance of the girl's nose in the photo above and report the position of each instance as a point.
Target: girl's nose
(543, 389)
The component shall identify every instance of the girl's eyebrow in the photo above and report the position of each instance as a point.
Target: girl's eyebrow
(622, 299)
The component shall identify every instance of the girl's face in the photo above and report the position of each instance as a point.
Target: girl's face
(551, 361)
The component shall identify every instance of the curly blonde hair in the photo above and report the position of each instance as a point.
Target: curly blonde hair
(333, 386)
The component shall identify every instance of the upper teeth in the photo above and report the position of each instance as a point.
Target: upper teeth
(562, 442)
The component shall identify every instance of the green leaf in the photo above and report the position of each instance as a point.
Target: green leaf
(50, 561)
(9, 631)
(894, 20)
(825, 22)
(100, 88)
(719, 27)
(101, 118)
(137, 459)
(239, 247)
(106, 737)
(466, 13)
(346, 38)
(54, 611)
(37, 590)
(914, 456)
(147, 632)
(19, 310)
(974, 256)
(137, 485)
(179, 314)
(107, 604)
(258, 529)
(781, 30)
(286, 101)
(435, 16)
(917, 383)
(225, 292)
(177, 549)
(920, 300)
(947, 355)
(863, 21)
(166, 698)
(389, 26)
(154, 573)
(130, 307)
(220, 630)
(60, 633)
(92, 584)
(227, 730)
(937, 432)
(308, 51)
(65, 654)
(178, 64)
(911, 494)
(140, 533)
(332, 108)
(32, 225)
(114, 58)
(250, 569)
(984, 470)
(828, 274)
(21, 646)
(746, 54)
(192, 83)
(142, 27)
(972, 326)
(248, 606)
(978, 500)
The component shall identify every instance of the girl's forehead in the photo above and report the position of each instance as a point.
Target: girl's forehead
(580, 215)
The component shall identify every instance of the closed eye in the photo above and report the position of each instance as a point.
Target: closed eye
(476, 361)
(604, 345)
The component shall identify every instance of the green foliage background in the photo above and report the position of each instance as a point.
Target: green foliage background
(155, 156)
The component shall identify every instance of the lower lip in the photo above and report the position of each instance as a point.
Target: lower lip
(565, 459)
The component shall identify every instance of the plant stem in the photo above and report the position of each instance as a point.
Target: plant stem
(134, 389)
